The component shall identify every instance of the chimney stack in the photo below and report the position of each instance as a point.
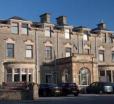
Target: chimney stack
(102, 25)
(62, 20)
(45, 18)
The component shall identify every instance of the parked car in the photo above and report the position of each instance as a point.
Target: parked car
(69, 88)
(100, 87)
(49, 89)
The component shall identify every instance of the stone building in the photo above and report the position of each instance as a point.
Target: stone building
(17, 51)
(90, 51)
(44, 52)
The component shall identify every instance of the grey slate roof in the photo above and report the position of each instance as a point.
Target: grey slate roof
(17, 18)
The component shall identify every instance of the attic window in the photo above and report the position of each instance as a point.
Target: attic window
(24, 28)
(15, 28)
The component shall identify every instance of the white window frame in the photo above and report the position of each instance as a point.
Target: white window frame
(85, 37)
(9, 75)
(17, 73)
(67, 33)
(24, 28)
(12, 50)
(14, 28)
(29, 51)
(101, 55)
(68, 53)
(48, 52)
(47, 33)
(112, 56)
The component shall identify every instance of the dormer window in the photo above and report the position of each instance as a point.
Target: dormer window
(67, 34)
(15, 28)
(24, 28)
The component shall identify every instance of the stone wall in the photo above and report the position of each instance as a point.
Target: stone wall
(15, 95)
(28, 94)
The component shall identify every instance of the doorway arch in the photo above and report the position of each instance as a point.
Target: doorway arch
(84, 76)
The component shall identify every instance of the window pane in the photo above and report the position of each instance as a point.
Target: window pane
(48, 52)
(16, 77)
(28, 47)
(17, 71)
(47, 33)
(113, 56)
(101, 55)
(9, 70)
(85, 37)
(24, 29)
(102, 73)
(67, 35)
(48, 79)
(24, 77)
(84, 77)
(68, 52)
(29, 51)
(14, 28)
(10, 45)
(10, 50)
(30, 78)
(24, 71)
(9, 77)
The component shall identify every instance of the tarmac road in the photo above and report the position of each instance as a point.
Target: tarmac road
(81, 99)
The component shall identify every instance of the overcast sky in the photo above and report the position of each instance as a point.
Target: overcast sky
(79, 12)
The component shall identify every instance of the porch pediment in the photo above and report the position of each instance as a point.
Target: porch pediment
(83, 58)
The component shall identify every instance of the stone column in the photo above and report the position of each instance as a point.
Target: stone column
(12, 74)
(35, 91)
(27, 75)
(20, 74)
(111, 76)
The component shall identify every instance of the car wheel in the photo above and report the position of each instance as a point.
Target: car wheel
(100, 92)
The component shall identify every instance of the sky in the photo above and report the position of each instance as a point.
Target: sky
(79, 12)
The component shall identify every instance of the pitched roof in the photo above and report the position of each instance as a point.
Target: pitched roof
(17, 18)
